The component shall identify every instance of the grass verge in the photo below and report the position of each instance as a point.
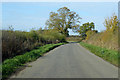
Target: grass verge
(11, 65)
(108, 55)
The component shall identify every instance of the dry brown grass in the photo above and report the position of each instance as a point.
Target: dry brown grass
(104, 39)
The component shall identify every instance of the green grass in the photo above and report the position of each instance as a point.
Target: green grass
(11, 65)
(108, 55)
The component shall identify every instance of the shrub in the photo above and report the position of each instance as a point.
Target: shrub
(17, 42)
(90, 33)
(10, 65)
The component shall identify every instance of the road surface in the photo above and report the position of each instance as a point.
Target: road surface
(69, 61)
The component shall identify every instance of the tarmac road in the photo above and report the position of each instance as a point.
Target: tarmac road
(69, 61)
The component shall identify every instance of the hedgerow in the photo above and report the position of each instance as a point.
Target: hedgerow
(10, 65)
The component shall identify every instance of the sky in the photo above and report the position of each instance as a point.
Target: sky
(25, 16)
(59, 0)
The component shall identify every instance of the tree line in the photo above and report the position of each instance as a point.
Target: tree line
(65, 19)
